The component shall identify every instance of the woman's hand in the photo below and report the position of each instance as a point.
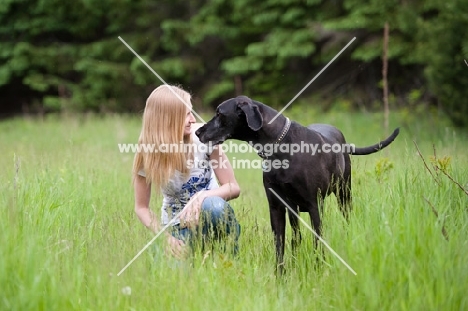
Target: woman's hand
(176, 247)
(190, 215)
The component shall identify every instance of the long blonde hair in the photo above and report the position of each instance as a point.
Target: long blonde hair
(163, 123)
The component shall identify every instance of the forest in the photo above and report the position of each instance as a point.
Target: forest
(75, 56)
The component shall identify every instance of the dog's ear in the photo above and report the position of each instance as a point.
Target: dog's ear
(251, 111)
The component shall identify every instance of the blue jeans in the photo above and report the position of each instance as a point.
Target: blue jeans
(217, 224)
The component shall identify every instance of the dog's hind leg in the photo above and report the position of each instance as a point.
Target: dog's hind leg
(343, 189)
(343, 195)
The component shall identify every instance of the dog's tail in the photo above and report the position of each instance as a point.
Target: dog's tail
(376, 147)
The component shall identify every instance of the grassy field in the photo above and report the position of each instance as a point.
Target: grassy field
(68, 226)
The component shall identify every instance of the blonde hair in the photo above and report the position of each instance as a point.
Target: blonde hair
(163, 123)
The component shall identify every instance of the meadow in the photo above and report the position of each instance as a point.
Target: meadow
(68, 227)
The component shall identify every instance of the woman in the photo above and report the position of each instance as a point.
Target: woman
(189, 178)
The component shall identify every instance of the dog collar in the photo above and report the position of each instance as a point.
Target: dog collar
(280, 138)
(285, 131)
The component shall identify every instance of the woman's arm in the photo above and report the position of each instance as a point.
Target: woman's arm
(228, 188)
(142, 200)
(175, 246)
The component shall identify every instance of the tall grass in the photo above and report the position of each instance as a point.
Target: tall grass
(68, 227)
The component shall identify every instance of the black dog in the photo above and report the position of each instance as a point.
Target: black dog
(301, 179)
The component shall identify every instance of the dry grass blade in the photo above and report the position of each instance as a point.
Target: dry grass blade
(454, 181)
(447, 174)
(425, 164)
(444, 232)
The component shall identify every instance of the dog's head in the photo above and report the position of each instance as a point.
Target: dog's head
(236, 118)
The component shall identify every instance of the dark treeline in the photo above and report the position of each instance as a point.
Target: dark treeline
(60, 55)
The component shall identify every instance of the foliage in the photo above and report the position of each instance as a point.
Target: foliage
(63, 56)
(442, 164)
(447, 48)
(382, 167)
(69, 54)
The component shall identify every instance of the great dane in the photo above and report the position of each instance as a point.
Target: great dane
(301, 179)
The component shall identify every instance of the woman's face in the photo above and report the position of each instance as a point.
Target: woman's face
(189, 119)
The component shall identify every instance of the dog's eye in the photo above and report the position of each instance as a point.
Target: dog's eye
(220, 118)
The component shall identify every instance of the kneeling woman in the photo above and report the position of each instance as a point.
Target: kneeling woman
(186, 172)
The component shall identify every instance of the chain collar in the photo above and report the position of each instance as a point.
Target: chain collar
(285, 131)
(280, 138)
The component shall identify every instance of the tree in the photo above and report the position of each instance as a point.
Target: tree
(68, 56)
(445, 40)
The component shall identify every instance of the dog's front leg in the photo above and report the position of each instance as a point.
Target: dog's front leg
(316, 223)
(296, 232)
(278, 225)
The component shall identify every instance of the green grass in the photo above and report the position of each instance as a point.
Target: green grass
(68, 227)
